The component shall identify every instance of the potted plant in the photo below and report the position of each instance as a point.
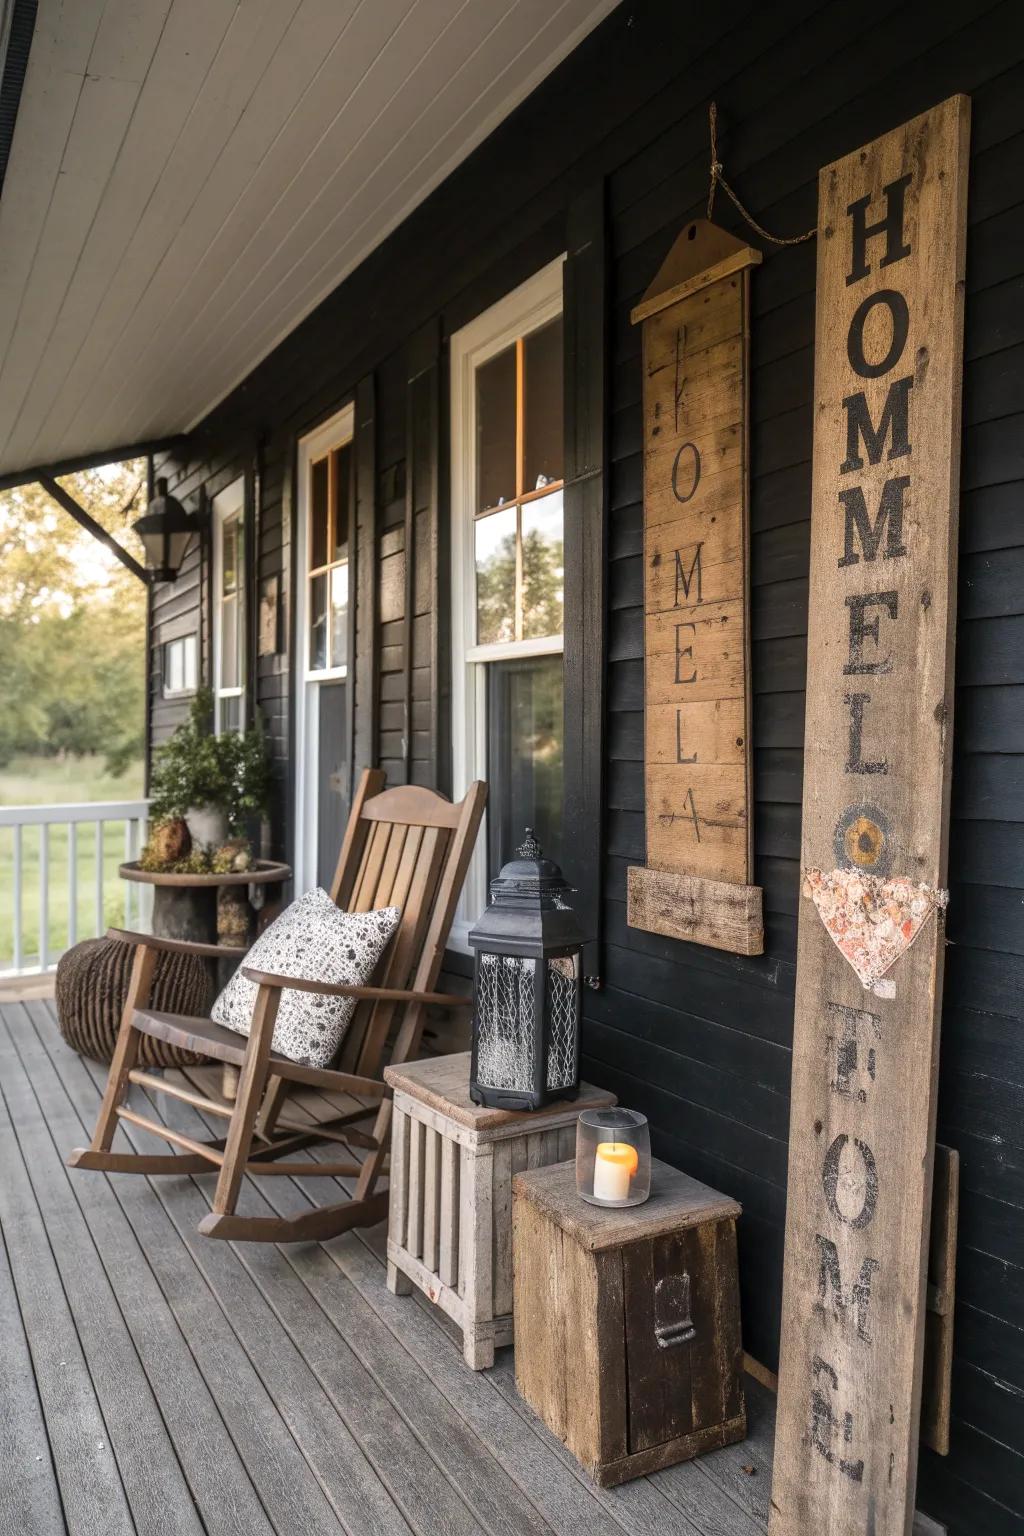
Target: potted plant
(206, 793)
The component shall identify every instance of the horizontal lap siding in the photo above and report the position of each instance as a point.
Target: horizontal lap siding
(698, 1039)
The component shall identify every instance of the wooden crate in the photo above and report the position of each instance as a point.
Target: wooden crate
(450, 1214)
(628, 1321)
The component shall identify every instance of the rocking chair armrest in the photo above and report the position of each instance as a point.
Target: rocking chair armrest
(344, 989)
(177, 946)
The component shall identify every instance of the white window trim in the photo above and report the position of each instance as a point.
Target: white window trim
(227, 504)
(525, 309)
(330, 434)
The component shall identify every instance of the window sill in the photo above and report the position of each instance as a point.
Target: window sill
(509, 650)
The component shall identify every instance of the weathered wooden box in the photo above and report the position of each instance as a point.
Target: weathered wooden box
(450, 1212)
(628, 1321)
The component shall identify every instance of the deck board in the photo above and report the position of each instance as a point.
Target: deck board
(166, 1382)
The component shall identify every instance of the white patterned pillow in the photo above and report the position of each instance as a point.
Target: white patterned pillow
(314, 941)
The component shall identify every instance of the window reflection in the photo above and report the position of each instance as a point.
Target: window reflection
(318, 514)
(524, 756)
(496, 430)
(496, 577)
(318, 623)
(543, 567)
(544, 449)
(339, 615)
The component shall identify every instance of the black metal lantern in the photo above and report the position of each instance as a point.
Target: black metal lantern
(526, 987)
(165, 529)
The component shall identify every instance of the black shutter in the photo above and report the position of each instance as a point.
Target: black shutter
(585, 309)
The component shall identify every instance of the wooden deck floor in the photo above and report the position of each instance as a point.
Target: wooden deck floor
(153, 1381)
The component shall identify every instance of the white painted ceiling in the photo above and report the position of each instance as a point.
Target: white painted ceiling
(189, 178)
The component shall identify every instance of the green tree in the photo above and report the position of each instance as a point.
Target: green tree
(72, 622)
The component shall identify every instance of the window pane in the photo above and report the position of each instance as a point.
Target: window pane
(496, 577)
(231, 713)
(496, 429)
(543, 568)
(342, 461)
(229, 642)
(318, 515)
(229, 573)
(318, 623)
(339, 615)
(173, 663)
(545, 453)
(189, 669)
(524, 756)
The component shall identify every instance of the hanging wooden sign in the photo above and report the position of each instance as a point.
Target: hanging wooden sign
(697, 760)
(888, 367)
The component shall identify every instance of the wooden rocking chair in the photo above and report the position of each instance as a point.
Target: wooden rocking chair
(404, 847)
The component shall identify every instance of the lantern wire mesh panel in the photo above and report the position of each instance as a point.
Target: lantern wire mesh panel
(504, 1015)
(563, 986)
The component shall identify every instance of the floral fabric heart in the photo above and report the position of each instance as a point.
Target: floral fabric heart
(871, 921)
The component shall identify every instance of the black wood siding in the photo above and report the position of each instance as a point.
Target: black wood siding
(697, 1039)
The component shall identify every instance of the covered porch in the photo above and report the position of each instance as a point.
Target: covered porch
(155, 1378)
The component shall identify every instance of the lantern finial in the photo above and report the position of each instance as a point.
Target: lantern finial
(529, 848)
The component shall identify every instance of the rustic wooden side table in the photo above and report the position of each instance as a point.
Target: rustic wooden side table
(452, 1162)
(628, 1320)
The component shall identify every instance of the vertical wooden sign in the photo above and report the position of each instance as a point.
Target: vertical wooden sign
(888, 366)
(697, 758)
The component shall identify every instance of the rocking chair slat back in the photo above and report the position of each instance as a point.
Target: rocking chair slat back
(407, 945)
(407, 847)
(371, 783)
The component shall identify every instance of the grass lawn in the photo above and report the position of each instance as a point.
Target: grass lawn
(52, 781)
(45, 781)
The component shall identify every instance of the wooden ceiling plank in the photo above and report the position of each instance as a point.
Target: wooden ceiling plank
(247, 52)
(118, 62)
(258, 255)
(503, 51)
(101, 118)
(188, 266)
(339, 255)
(53, 83)
(185, 52)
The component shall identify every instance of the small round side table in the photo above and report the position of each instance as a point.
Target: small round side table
(208, 909)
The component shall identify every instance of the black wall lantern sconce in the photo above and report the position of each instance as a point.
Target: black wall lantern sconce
(526, 987)
(165, 530)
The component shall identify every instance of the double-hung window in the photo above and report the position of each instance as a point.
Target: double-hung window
(181, 671)
(229, 608)
(331, 494)
(508, 575)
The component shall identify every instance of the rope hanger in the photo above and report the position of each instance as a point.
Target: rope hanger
(718, 180)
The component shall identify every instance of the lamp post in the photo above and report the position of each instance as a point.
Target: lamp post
(526, 987)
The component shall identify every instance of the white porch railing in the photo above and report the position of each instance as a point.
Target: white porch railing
(59, 881)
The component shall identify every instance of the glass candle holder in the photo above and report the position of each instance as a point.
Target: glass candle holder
(613, 1157)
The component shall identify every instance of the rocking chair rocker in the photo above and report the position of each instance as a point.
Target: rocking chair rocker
(406, 847)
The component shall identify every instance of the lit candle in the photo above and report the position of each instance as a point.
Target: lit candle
(615, 1163)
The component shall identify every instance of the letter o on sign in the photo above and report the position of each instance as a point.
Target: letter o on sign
(838, 1179)
(899, 315)
(690, 469)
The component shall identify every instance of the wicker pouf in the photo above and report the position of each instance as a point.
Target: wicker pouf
(92, 983)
